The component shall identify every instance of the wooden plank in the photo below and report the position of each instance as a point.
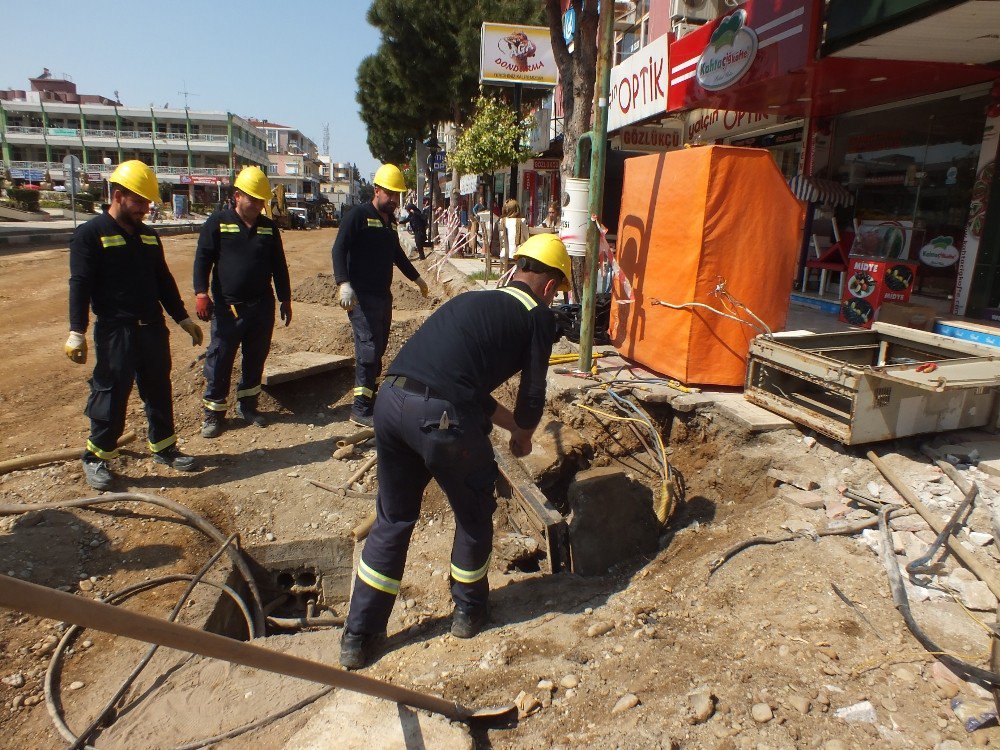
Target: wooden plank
(534, 510)
(286, 367)
(750, 416)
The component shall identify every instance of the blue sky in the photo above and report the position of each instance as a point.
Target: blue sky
(290, 62)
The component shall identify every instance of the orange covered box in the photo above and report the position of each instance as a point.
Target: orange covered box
(689, 220)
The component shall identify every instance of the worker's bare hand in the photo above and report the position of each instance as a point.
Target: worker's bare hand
(285, 310)
(203, 306)
(520, 443)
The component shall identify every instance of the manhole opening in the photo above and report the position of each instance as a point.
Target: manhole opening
(300, 579)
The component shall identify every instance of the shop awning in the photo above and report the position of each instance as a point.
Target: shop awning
(818, 190)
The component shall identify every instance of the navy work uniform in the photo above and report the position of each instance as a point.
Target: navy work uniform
(418, 223)
(432, 420)
(364, 253)
(125, 278)
(242, 260)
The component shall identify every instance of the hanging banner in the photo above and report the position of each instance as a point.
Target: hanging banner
(516, 54)
(467, 184)
(639, 86)
(985, 174)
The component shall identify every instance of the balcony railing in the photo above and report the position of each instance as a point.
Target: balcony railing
(24, 130)
(91, 133)
(56, 167)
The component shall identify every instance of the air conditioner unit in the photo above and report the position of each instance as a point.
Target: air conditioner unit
(682, 29)
(693, 11)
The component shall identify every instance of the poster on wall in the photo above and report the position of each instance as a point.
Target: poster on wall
(516, 54)
(883, 239)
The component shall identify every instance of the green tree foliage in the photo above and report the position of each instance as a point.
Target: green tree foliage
(426, 70)
(490, 141)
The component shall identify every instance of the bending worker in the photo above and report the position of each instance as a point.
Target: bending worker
(117, 266)
(366, 249)
(432, 420)
(241, 248)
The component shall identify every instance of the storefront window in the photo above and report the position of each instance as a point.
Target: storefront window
(912, 167)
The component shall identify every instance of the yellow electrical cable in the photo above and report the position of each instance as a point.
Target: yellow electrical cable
(665, 504)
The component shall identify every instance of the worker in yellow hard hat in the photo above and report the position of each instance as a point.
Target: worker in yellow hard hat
(432, 421)
(117, 267)
(240, 250)
(364, 253)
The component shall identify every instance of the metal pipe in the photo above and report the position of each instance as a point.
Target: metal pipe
(56, 605)
(597, 163)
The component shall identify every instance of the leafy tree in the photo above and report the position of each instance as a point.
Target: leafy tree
(426, 70)
(577, 71)
(491, 139)
(366, 191)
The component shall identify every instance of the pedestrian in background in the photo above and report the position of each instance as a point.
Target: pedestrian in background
(240, 249)
(364, 254)
(513, 231)
(433, 417)
(415, 218)
(117, 267)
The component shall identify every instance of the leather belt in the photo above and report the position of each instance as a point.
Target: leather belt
(413, 386)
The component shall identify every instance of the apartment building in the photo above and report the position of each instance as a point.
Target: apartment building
(40, 126)
(292, 161)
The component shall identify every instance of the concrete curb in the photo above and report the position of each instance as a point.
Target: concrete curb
(62, 236)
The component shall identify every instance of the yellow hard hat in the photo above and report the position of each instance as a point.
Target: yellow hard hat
(389, 177)
(138, 177)
(253, 182)
(549, 250)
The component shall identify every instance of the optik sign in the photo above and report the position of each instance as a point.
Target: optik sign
(639, 85)
(729, 53)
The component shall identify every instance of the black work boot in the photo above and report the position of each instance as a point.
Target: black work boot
(468, 624)
(173, 458)
(246, 409)
(96, 472)
(362, 411)
(212, 426)
(356, 649)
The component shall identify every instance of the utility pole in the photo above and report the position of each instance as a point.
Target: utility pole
(598, 142)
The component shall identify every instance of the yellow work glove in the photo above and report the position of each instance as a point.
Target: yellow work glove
(423, 286)
(76, 347)
(193, 330)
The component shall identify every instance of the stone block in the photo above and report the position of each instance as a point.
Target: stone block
(611, 520)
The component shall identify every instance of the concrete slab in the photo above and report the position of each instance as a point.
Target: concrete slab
(351, 720)
(296, 365)
(750, 416)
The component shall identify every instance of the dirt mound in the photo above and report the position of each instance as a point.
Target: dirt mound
(322, 290)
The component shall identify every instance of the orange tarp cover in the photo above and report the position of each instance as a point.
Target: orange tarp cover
(690, 219)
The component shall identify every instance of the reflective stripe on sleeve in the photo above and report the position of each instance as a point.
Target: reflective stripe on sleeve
(521, 296)
(248, 392)
(102, 454)
(113, 240)
(165, 443)
(469, 576)
(376, 580)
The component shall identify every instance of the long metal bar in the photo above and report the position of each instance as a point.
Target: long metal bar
(598, 154)
(56, 605)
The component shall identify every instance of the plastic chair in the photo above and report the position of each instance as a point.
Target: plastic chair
(831, 257)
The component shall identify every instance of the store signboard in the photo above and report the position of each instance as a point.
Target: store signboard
(650, 139)
(710, 125)
(32, 175)
(940, 252)
(516, 54)
(544, 165)
(757, 42)
(467, 184)
(203, 179)
(770, 140)
(639, 85)
(68, 132)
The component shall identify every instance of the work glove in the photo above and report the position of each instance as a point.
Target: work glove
(285, 310)
(76, 347)
(348, 299)
(193, 330)
(204, 306)
(424, 290)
